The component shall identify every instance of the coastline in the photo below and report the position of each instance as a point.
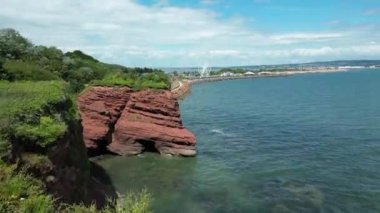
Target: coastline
(181, 88)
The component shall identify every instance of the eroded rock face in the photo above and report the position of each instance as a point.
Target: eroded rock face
(100, 108)
(139, 121)
(151, 120)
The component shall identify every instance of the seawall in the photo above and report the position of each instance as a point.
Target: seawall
(182, 87)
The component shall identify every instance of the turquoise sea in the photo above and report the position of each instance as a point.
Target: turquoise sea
(304, 143)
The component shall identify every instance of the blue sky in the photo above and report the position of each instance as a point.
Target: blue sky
(179, 33)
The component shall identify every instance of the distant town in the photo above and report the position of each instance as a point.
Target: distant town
(272, 70)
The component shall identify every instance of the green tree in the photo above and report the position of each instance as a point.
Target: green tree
(12, 44)
(2, 71)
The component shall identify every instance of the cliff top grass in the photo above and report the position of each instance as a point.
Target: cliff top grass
(27, 96)
(37, 87)
(151, 80)
(21, 114)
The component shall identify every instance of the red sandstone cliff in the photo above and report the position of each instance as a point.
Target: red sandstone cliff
(128, 123)
(100, 108)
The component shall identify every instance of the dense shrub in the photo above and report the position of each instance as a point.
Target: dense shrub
(27, 97)
(20, 70)
(77, 54)
(21, 60)
(152, 80)
(23, 105)
(21, 193)
(12, 44)
(155, 80)
(44, 133)
(115, 79)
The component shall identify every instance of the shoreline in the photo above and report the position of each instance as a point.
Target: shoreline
(262, 75)
(180, 88)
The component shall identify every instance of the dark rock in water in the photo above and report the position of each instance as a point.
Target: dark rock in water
(139, 121)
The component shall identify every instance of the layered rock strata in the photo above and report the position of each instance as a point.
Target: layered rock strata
(100, 108)
(124, 122)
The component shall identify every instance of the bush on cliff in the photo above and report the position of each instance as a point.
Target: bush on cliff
(20, 192)
(25, 97)
(116, 79)
(152, 80)
(20, 70)
(44, 133)
(37, 109)
(34, 117)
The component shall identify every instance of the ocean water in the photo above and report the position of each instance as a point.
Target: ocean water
(304, 143)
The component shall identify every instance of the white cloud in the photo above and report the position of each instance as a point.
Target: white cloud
(302, 52)
(224, 53)
(305, 37)
(133, 34)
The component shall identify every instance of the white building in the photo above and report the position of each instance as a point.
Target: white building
(225, 74)
(249, 73)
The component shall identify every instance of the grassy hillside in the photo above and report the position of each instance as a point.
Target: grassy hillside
(27, 112)
(21, 60)
(41, 146)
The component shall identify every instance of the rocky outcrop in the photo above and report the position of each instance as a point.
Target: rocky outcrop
(151, 121)
(100, 108)
(128, 123)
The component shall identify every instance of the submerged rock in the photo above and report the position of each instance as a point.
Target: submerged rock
(129, 123)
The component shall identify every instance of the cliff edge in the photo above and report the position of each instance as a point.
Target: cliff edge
(124, 122)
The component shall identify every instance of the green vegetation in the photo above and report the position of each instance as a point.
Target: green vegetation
(136, 203)
(132, 203)
(153, 80)
(26, 97)
(20, 70)
(231, 70)
(21, 60)
(26, 108)
(36, 78)
(46, 132)
(12, 44)
(38, 88)
(20, 192)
